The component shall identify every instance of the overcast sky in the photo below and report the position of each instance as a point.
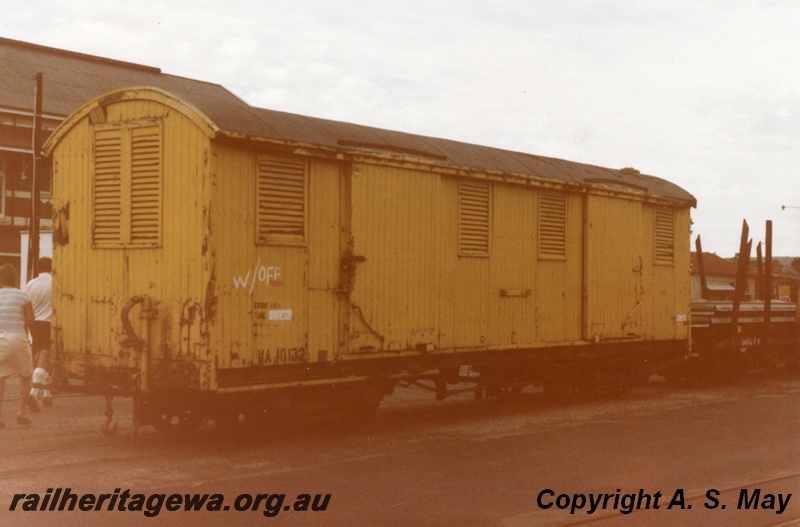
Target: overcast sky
(705, 94)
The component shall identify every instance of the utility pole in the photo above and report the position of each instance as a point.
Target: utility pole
(33, 239)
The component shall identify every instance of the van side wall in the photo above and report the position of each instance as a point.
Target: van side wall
(386, 260)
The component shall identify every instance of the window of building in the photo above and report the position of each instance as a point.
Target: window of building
(2, 187)
(126, 193)
(281, 201)
(664, 237)
(44, 182)
(552, 232)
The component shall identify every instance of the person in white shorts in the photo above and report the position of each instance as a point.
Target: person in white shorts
(16, 312)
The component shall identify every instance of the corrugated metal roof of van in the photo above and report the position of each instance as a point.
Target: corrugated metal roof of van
(287, 127)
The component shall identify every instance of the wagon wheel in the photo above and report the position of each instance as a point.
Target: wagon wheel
(362, 404)
(511, 390)
(231, 422)
(556, 389)
(176, 424)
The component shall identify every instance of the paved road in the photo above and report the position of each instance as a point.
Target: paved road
(457, 462)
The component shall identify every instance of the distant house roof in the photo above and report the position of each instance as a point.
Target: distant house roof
(72, 79)
(714, 265)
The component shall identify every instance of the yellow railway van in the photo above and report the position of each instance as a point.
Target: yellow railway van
(215, 260)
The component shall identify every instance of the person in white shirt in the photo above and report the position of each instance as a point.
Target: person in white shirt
(40, 290)
(15, 352)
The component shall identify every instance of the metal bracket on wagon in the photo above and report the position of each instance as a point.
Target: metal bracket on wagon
(132, 339)
(348, 271)
(108, 428)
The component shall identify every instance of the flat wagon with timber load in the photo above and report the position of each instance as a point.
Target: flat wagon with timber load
(753, 329)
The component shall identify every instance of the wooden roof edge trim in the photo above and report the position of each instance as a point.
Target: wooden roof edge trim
(143, 93)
